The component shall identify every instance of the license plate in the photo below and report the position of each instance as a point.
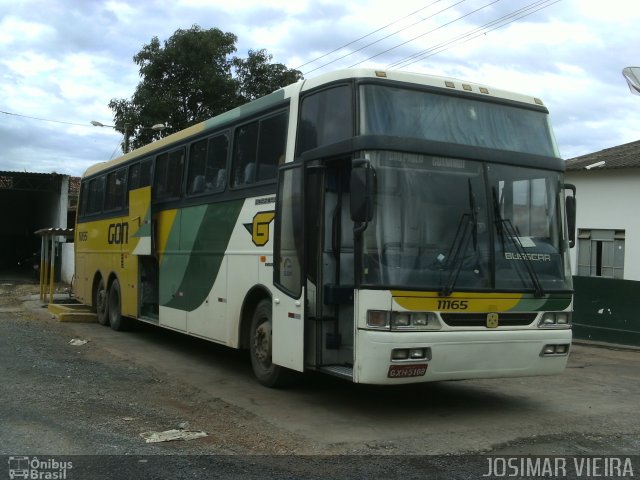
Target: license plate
(404, 371)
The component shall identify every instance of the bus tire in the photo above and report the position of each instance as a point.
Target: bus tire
(116, 320)
(260, 344)
(101, 303)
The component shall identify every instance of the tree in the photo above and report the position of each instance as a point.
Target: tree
(190, 79)
(257, 77)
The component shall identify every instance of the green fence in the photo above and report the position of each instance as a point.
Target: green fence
(605, 310)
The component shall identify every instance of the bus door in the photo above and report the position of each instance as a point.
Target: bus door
(141, 237)
(288, 301)
(330, 268)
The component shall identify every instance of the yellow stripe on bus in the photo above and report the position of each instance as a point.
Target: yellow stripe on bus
(165, 225)
(457, 301)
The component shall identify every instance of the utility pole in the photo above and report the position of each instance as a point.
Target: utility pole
(125, 144)
(126, 138)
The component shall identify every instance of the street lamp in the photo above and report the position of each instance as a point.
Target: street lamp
(632, 76)
(157, 127)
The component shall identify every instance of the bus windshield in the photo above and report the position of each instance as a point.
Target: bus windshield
(410, 113)
(448, 224)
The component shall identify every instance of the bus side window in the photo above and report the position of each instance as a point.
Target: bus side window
(84, 193)
(325, 117)
(134, 177)
(167, 180)
(197, 161)
(271, 146)
(259, 149)
(114, 199)
(160, 175)
(96, 195)
(208, 165)
(145, 173)
(132, 180)
(139, 176)
(244, 155)
(215, 176)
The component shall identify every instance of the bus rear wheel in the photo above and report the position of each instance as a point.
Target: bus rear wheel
(116, 320)
(100, 303)
(261, 345)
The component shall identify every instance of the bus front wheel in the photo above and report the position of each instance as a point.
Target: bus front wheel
(261, 345)
(100, 303)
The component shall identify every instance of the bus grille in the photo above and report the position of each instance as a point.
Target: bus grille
(480, 319)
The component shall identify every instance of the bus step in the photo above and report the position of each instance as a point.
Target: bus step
(338, 371)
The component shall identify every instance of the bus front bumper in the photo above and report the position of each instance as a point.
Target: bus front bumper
(451, 355)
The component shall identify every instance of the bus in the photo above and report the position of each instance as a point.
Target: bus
(380, 226)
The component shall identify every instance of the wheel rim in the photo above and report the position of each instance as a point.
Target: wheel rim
(114, 306)
(101, 299)
(262, 344)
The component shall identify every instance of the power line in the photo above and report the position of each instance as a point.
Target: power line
(115, 149)
(57, 121)
(43, 119)
(426, 33)
(365, 36)
(387, 36)
(498, 23)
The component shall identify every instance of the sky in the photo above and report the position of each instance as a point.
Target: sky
(62, 61)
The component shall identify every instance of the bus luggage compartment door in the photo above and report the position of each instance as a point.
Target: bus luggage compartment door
(140, 221)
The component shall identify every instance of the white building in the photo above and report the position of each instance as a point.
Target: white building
(608, 212)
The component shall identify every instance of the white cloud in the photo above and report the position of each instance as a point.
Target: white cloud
(31, 64)
(15, 30)
(66, 62)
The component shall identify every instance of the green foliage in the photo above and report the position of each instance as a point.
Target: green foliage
(257, 77)
(191, 78)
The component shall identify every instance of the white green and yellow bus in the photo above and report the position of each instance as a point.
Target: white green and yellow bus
(383, 227)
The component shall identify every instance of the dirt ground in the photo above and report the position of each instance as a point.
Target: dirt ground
(99, 397)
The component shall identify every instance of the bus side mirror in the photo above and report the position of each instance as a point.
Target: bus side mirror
(362, 188)
(570, 210)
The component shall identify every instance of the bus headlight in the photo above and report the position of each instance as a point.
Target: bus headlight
(410, 354)
(401, 319)
(414, 321)
(555, 320)
(553, 350)
(383, 320)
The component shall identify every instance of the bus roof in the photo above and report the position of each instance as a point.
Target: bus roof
(421, 79)
(445, 83)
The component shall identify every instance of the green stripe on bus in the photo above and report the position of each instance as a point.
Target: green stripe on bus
(552, 302)
(247, 109)
(194, 255)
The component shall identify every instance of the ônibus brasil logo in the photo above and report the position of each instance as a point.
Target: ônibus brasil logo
(35, 468)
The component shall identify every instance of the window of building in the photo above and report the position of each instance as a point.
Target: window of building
(601, 253)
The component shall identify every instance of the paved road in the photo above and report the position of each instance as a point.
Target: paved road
(97, 398)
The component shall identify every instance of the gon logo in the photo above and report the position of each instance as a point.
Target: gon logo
(259, 228)
(118, 233)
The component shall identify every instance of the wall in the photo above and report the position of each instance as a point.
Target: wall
(609, 199)
(603, 311)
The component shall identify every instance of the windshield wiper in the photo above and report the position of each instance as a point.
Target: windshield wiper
(467, 230)
(507, 231)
